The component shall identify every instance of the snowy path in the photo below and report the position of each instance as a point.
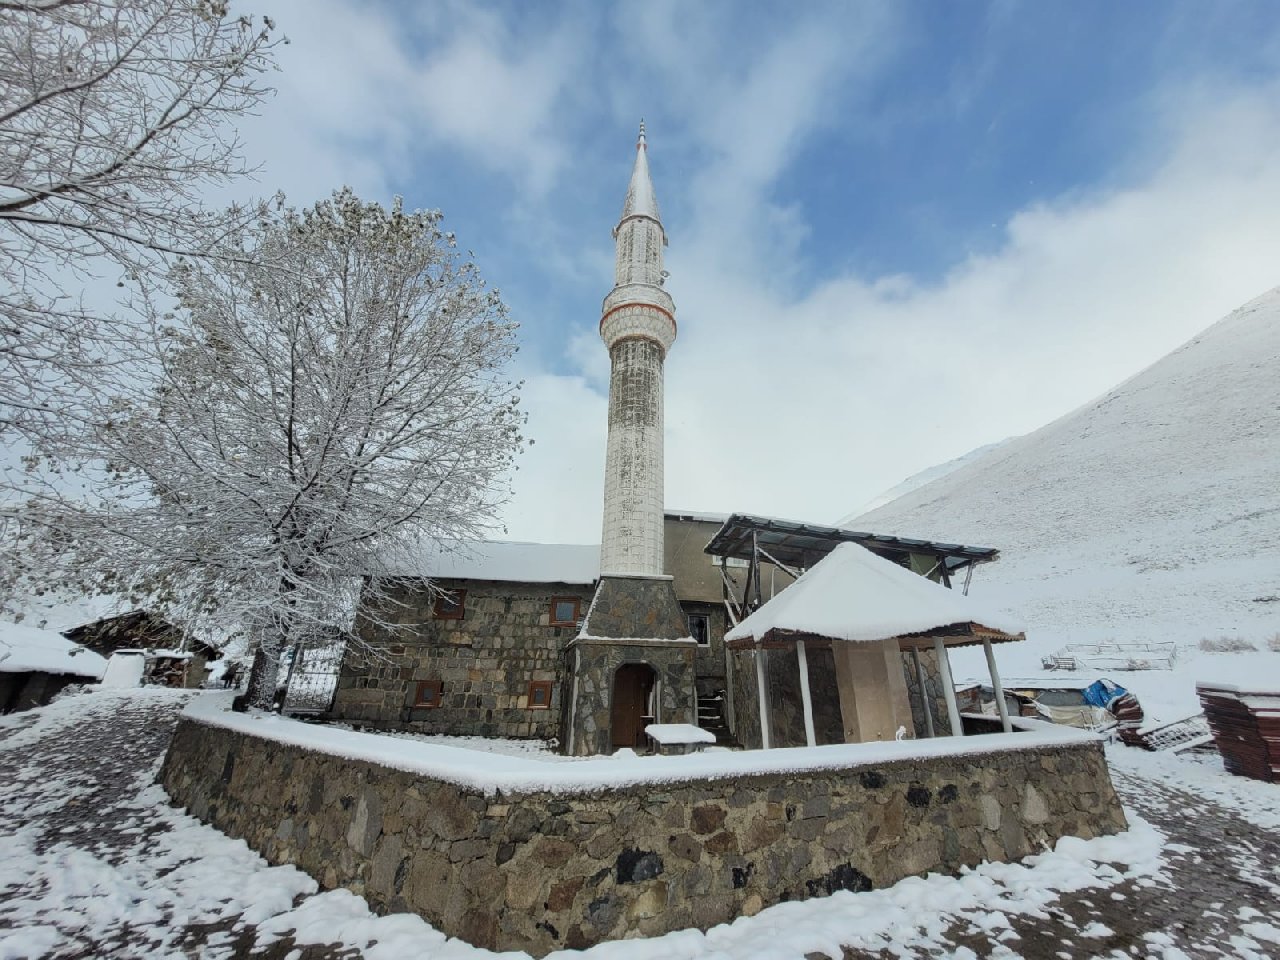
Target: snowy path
(93, 863)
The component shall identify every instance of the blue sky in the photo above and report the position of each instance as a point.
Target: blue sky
(898, 231)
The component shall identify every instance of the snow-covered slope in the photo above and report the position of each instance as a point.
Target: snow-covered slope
(1152, 513)
(918, 480)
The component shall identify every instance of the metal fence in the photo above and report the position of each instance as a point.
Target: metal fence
(313, 680)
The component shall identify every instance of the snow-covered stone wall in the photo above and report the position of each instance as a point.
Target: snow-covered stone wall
(541, 870)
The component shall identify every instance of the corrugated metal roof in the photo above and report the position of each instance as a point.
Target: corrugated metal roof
(804, 544)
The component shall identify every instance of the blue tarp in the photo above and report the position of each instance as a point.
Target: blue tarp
(1102, 692)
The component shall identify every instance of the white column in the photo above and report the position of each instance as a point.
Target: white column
(948, 688)
(765, 722)
(1005, 722)
(802, 659)
(924, 692)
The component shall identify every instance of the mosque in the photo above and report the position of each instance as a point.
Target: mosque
(589, 645)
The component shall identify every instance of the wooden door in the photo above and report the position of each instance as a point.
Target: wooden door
(632, 687)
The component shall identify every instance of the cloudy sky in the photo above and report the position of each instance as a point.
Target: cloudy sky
(898, 231)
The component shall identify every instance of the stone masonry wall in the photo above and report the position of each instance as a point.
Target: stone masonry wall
(541, 871)
(598, 662)
(484, 662)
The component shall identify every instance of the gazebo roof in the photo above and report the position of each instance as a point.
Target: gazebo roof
(802, 545)
(852, 595)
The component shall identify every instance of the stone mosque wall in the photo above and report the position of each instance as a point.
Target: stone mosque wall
(541, 871)
(485, 662)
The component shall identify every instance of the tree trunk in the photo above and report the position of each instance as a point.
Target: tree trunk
(261, 690)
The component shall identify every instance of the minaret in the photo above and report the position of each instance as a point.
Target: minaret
(638, 326)
(632, 662)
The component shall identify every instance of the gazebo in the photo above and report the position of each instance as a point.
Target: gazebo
(869, 611)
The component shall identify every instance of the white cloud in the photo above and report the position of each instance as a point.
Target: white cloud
(495, 94)
(807, 406)
(781, 398)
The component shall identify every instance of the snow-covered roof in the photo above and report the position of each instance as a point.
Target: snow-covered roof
(854, 595)
(699, 516)
(577, 563)
(26, 649)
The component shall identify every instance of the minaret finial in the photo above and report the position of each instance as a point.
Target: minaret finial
(640, 139)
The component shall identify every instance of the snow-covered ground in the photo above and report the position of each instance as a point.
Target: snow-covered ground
(149, 874)
(94, 862)
(1151, 514)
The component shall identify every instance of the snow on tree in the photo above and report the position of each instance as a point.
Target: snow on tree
(112, 121)
(332, 391)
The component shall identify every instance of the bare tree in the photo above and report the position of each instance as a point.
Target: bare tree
(113, 119)
(331, 395)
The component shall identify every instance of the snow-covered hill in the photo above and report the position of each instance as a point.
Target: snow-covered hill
(1152, 513)
(918, 480)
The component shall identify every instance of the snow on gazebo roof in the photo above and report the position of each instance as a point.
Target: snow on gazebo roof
(853, 595)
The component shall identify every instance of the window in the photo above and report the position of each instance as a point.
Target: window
(427, 693)
(700, 628)
(564, 611)
(540, 694)
(451, 605)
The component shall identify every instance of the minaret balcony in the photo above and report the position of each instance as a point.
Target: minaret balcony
(647, 318)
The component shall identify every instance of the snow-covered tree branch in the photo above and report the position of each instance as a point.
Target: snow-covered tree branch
(331, 394)
(113, 119)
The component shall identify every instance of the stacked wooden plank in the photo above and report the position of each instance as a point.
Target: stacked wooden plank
(1246, 728)
(1129, 717)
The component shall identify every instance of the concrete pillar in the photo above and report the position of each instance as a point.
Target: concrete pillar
(806, 699)
(766, 721)
(948, 688)
(1005, 723)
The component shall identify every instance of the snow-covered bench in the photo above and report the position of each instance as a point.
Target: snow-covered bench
(677, 738)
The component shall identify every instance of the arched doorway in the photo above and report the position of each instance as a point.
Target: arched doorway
(634, 704)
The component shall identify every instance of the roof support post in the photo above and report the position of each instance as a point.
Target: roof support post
(997, 687)
(924, 692)
(755, 569)
(765, 720)
(806, 699)
(948, 688)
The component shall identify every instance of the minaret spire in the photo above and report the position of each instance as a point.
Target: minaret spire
(641, 200)
(638, 327)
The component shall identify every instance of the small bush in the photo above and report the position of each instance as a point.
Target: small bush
(1274, 643)
(1226, 645)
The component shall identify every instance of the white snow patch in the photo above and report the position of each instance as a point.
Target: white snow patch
(26, 649)
(670, 733)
